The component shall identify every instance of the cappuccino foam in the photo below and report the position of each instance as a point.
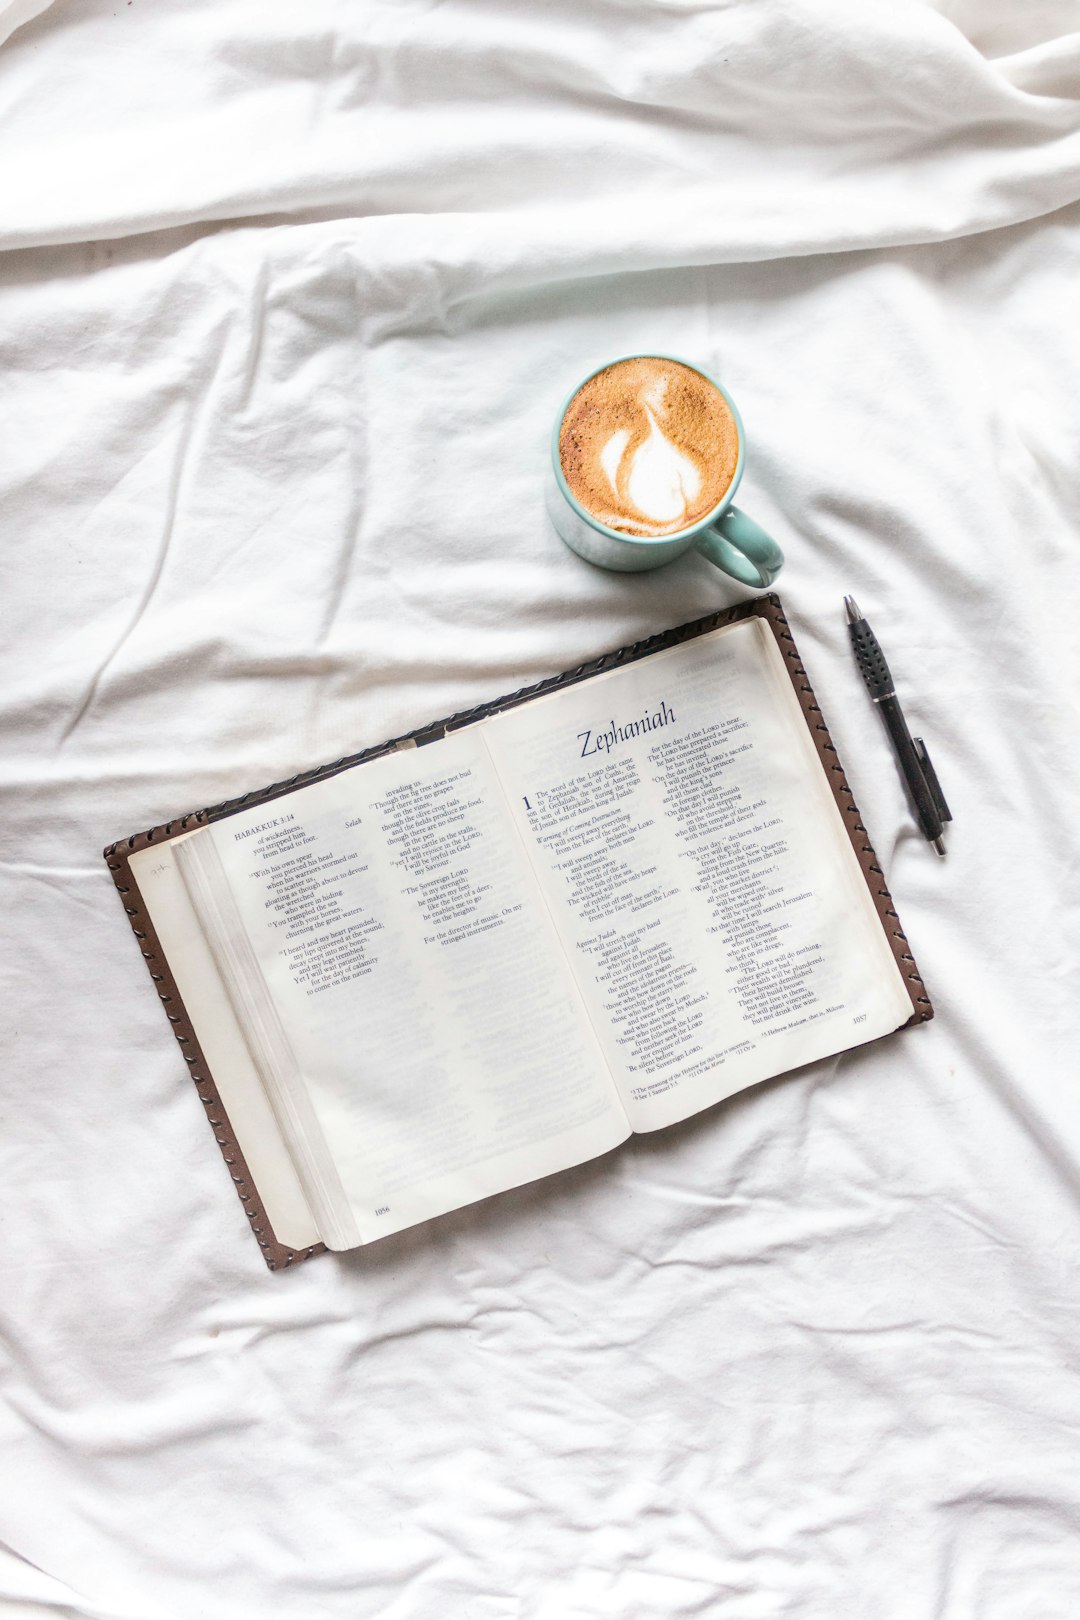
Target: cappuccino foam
(648, 446)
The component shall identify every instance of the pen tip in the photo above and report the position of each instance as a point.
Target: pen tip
(853, 614)
(939, 845)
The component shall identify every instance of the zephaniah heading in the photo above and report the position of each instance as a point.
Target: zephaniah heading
(602, 742)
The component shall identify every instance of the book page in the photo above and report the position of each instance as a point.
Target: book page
(410, 1005)
(698, 871)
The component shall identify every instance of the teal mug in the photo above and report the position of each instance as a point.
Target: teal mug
(725, 535)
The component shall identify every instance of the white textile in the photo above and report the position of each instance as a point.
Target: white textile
(289, 295)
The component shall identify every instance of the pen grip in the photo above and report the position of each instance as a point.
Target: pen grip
(918, 788)
(871, 660)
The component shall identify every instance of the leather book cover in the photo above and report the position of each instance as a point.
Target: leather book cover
(118, 855)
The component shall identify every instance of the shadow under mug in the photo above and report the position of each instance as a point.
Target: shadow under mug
(726, 536)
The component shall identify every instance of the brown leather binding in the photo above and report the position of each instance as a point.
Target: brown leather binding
(277, 1254)
(921, 1008)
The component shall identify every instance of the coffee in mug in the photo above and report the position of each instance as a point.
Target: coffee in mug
(646, 456)
(648, 446)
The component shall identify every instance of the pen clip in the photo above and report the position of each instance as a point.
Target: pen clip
(931, 779)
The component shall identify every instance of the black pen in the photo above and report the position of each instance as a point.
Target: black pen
(920, 778)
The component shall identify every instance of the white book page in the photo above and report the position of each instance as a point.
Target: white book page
(698, 871)
(424, 1003)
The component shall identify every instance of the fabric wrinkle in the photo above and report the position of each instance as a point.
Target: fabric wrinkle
(289, 299)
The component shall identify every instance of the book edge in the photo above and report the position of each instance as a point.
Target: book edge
(277, 1255)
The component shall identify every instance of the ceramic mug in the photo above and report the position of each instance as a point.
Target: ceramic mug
(726, 536)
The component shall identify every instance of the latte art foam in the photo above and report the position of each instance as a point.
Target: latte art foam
(648, 446)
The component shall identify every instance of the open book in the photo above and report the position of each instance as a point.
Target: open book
(495, 949)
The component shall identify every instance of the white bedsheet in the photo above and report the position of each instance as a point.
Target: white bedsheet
(288, 297)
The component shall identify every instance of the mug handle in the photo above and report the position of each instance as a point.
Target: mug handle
(741, 548)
